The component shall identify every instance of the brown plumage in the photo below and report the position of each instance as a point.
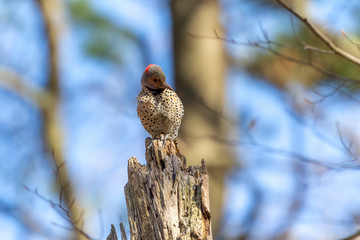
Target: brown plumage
(159, 108)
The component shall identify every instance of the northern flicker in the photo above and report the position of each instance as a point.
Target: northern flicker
(159, 108)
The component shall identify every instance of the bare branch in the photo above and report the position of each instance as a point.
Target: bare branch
(267, 44)
(53, 19)
(347, 148)
(321, 36)
(22, 87)
(63, 211)
(61, 208)
(350, 40)
(259, 147)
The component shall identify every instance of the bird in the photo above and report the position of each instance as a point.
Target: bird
(159, 108)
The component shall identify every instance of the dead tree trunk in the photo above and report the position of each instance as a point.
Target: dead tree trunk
(165, 199)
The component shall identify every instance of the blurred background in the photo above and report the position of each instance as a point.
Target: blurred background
(273, 112)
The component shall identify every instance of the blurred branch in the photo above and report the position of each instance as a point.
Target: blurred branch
(346, 147)
(20, 214)
(273, 150)
(350, 40)
(298, 202)
(22, 87)
(61, 208)
(267, 44)
(52, 16)
(255, 210)
(306, 46)
(321, 36)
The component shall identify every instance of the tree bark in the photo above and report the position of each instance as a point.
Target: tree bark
(112, 235)
(165, 199)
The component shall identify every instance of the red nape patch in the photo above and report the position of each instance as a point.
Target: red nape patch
(147, 68)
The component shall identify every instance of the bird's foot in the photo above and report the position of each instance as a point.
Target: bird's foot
(165, 137)
(168, 136)
(161, 137)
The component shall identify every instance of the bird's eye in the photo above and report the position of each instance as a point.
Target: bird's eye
(155, 80)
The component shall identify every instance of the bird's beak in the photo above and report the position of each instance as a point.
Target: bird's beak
(168, 86)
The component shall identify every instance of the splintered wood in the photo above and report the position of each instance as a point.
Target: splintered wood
(165, 199)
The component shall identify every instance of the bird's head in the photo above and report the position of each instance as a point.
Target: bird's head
(153, 79)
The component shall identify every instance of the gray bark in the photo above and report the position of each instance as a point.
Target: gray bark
(165, 199)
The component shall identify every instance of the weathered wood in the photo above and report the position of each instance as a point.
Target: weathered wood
(112, 235)
(165, 199)
(122, 231)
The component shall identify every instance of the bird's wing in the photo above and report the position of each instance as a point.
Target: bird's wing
(172, 106)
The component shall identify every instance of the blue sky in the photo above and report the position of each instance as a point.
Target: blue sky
(102, 130)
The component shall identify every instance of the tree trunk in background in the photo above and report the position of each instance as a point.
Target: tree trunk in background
(52, 125)
(200, 68)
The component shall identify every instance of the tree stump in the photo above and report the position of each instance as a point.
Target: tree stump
(165, 199)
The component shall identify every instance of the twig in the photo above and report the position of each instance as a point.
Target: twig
(273, 150)
(350, 40)
(22, 87)
(63, 211)
(267, 45)
(347, 148)
(321, 36)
